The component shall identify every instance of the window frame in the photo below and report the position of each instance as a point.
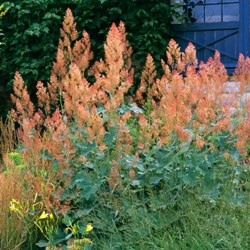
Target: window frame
(189, 5)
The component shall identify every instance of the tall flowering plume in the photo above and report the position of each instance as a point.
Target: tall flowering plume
(24, 107)
(24, 113)
(82, 53)
(43, 98)
(68, 89)
(174, 55)
(174, 108)
(177, 60)
(68, 34)
(114, 75)
(92, 123)
(149, 133)
(213, 76)
(70, 50)
(127, 50)
(148, 88)
(194, 87)
(242, 74)
(29, 120)
(124, 138)
(76, 91)
(189, 56)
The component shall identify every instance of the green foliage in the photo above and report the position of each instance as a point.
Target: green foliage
(29, 46)
(17, 159)
(3, 11)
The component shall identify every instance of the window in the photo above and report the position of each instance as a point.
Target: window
(210, 11)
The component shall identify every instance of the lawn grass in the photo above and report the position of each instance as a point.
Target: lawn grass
(190, 224)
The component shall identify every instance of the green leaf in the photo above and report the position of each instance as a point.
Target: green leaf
(59, 240)
(110, 136)
(69, 236)
(87, 190)
(66, 220)
(84, 149)
(42, 243)
(44, 154)
(188, 178)
(32, 132)
(21, 148)
(155, 180)
(135, 182)
(55, 165)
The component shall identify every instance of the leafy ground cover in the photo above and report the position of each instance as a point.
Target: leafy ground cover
(93, 167)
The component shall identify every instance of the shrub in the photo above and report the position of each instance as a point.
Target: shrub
(95, 154)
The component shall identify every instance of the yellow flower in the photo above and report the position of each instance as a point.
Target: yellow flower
(12, 207)
(51, 216)
(43, 216)
(89, 228)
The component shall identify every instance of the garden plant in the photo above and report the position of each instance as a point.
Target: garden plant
(93, 165)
